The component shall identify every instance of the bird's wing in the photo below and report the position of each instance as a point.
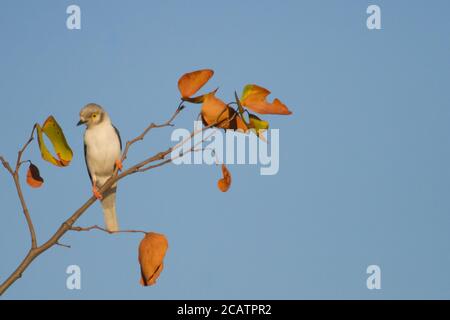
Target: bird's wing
(118, 135)
(85, 160)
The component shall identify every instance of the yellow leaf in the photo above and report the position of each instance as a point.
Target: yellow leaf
(254, 98)
(191, 82)
(152, 250)
(225, 182)
(215, 110)
(34, 178)
(259, 125)
(56, 136)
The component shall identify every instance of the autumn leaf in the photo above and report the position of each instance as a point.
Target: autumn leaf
(254, 98)
(191, 82)
(34, 178)
(258, 125)
(152, 250)
(215, 110)
(225, 182)
(56, 136)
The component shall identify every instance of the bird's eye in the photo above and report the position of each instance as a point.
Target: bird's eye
(94, 115)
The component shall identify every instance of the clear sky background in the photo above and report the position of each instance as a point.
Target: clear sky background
(364, 161)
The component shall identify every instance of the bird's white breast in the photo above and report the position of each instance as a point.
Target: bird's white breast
(102, 150)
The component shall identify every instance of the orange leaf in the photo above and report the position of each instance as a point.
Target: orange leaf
(215, 110)
(254, 98)
(152, 250)
(191, 82)
(225, 182)
(34, 178)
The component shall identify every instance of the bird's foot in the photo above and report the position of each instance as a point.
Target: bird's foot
(96, 193)
(119, 164)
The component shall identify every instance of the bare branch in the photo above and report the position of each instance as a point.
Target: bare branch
(155, 165)
(21, 151)
(25, 210)
(62, 245)
(6, 165)
(15, 176)
(140, 137)
(105, 230)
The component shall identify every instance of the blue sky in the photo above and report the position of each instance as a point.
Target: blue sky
(364, 176)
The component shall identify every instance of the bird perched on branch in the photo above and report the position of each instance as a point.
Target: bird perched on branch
(102, 153)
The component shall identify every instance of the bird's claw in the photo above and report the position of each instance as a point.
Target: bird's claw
(119, 164)
(96, 193)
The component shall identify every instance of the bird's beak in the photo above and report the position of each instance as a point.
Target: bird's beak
(81, 122)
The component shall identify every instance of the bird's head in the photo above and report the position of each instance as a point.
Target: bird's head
(91, 114)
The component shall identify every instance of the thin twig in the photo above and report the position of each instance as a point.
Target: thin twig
(155, 165)
(105, 230)
(6, 165)
(140, 137)
(21, 151)
(62, 245)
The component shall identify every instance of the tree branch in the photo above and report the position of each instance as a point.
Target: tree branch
(15, 176)
(140, 137)
(25, 146)
(67, 225)
(25, 210)
(6, 165)
(104, 230)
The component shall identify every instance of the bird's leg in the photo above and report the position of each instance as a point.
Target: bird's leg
(119, 164)
(95, 191)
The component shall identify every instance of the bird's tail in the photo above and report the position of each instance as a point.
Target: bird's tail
(109, 209)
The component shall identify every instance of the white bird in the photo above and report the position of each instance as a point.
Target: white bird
(102, 153)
